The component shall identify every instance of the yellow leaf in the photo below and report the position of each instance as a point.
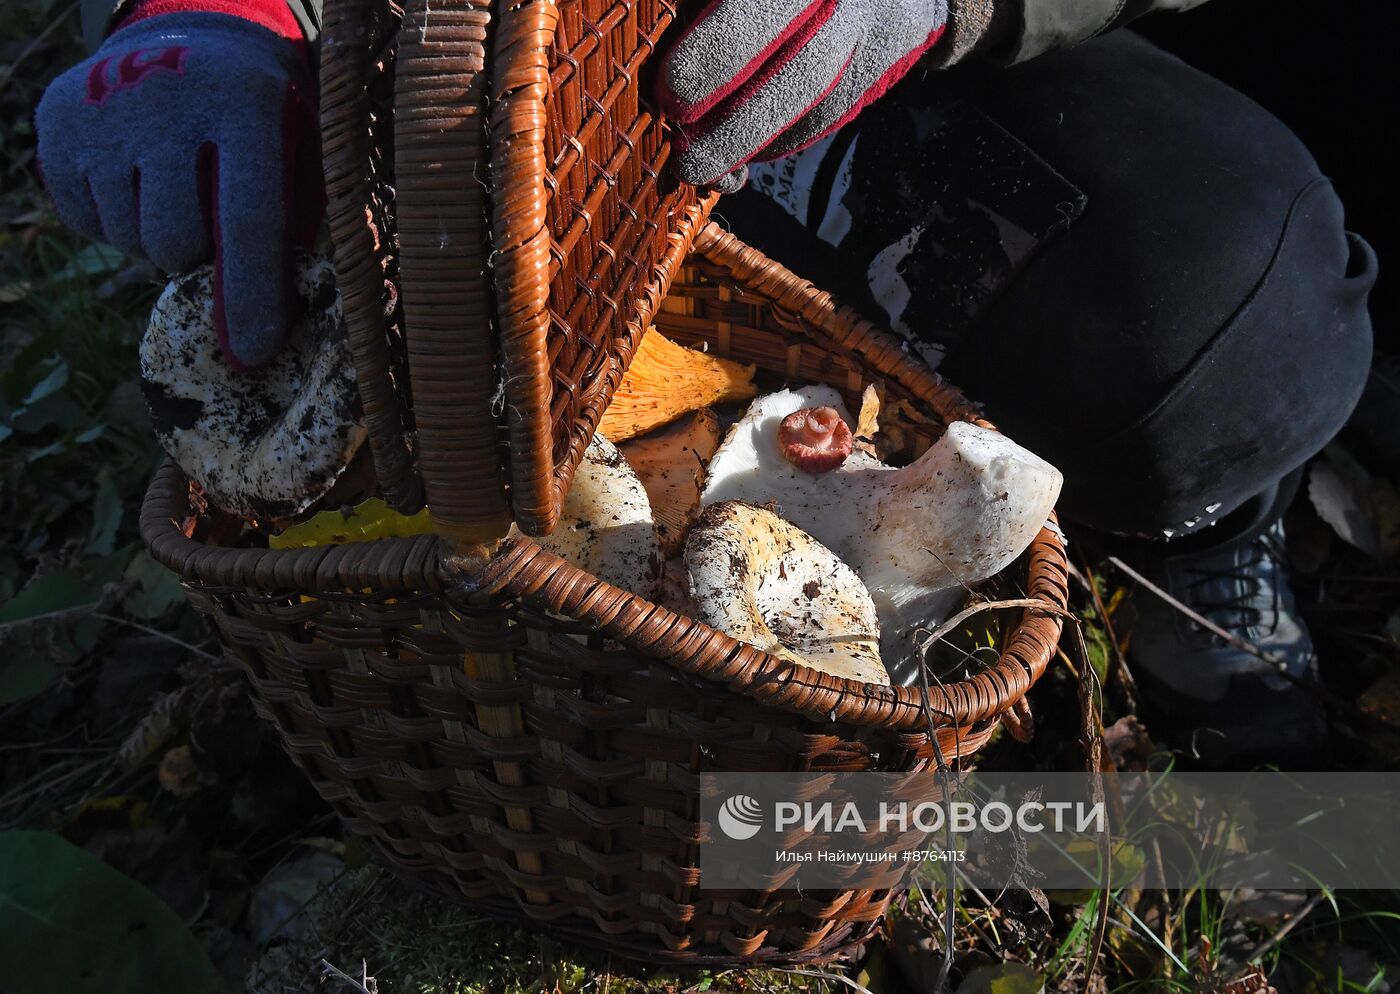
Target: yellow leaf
(367, 522)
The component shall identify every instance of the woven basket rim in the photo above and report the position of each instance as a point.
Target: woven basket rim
(521, 570)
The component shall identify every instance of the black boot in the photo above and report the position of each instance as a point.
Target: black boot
(1218, 704)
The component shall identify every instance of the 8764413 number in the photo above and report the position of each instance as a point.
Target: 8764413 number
(934, 855)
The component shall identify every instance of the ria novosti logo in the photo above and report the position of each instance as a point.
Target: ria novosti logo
(741, 817)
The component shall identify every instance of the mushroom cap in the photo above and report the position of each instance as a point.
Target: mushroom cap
(666, 380)
(815, 439)
(670, 462)
(766, 582)
(974, 502)
(989, 497)
(267, 443)
(751, 465)
(605, 526)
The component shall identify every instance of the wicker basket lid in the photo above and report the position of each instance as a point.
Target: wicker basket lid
(523, 209)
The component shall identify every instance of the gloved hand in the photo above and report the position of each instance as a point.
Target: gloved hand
(763, 78)
(192, 136)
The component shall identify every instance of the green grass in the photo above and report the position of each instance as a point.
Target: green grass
(75, 446)
(369, 924)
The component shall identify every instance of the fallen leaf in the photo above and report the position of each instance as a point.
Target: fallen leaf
(1127, 743)
(64, 591)
(875, 972)
(54, 381)
(166, 717)
(1361, 508)
(71, 923)
(96, 259)
(1025, 914)
(1004, 978)
(154, 589)
(277, 908)
(868, 421)
(916, 953)
(1252, 981)
(367, 522)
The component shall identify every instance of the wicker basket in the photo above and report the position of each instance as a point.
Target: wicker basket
(502, 726)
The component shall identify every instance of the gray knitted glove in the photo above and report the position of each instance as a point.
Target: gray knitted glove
(763, 78)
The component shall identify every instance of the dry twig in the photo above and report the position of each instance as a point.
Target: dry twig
(1091, 737)
(1268, 944)
(1030, 603)
(363, 987)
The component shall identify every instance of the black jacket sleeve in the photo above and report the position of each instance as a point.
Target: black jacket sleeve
(1034, 27)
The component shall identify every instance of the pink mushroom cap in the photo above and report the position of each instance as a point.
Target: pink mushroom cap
(815, 439)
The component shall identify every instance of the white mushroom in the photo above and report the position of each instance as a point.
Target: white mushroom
(764, 581)
(267, 443)
(918, 536)
(670, 462)
(606, 527)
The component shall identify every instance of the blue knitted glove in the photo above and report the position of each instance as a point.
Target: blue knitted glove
(190, 136)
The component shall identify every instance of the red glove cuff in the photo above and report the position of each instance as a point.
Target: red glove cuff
(271, 14)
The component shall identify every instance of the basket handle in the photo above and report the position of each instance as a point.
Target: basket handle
(345, 155)
(440, 162)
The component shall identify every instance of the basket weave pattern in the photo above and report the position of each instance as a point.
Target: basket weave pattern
(536, 235)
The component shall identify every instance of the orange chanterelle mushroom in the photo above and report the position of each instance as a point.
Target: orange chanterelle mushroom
(667, 380)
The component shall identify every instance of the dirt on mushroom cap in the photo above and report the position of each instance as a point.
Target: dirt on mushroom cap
(267, 443)
(764, 581)
(606, 525)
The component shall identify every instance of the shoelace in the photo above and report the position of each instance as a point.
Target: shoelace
(1238, 613)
